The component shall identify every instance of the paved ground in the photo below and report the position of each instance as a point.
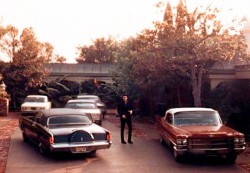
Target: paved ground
(8, 124)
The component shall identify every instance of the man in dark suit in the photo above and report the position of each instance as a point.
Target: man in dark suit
(125, 110)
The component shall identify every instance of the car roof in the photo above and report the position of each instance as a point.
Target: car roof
(186, 109)
(94, 96)
(81, 101)
(53, 112)
(36, 96)
(61, 111)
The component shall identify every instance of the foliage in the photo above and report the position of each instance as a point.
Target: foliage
(102, 51)
(59, 59)
(59, 91)
(28, 57)
(185, 46)
(231, 100)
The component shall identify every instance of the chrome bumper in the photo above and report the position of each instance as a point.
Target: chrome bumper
(208, 151)
(80, 147)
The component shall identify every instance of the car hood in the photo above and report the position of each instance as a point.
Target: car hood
(92, 128)
(198, 131)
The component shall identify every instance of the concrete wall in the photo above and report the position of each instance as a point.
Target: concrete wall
(81, 72)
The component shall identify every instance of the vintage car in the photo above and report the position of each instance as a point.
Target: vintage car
(64, 130)
(96, 98)
(34, 103)
(87, 106)
(199, 131)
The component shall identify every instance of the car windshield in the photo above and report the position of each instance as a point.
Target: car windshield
(34, 99)
(69, 120)
(197, 118)
(88, 98)
(79, 105)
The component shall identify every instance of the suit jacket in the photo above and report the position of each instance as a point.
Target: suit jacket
(123, 109)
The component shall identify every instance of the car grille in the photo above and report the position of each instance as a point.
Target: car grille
(210, 143)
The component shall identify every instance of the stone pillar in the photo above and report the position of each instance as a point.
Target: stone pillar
(4, 101)
(4, 106)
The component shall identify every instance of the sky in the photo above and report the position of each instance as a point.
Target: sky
(67, 24)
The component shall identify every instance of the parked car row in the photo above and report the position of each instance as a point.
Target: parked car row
(77, 129)
(90, 104)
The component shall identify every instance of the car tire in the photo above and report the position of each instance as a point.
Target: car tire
(100, 123)
(178, 158)
(231, 158)
(25, 138)
(42, 149)
(93, 152)
(162, 141)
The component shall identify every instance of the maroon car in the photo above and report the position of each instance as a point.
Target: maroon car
(199, 131)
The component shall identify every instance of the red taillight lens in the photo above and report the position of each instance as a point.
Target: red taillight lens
(108, 136)
(51, 140)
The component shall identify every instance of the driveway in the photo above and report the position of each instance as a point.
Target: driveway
(145, 155)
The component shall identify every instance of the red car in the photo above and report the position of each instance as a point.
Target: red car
(199, 131)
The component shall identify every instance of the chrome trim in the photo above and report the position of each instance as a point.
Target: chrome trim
(99, 145)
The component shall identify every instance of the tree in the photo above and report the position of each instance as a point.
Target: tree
(28, 58)
(9, 43)
(101, 51)
(187, 44)
(60, 59)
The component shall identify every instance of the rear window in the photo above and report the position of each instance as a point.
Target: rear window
(88, 98)
(197, 118)
(79, 105)
(69, 120)
(34, 99)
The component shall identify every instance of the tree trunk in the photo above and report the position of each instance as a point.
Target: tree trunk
(178, 96)
(196, 84)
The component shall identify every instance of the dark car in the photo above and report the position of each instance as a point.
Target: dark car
(64, 130)
(199, 131)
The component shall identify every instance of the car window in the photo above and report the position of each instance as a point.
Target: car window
(69, 120)
(89, 98)
(197, 118)
(34, 99)
(78, 105)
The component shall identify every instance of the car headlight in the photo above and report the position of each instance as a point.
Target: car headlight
(181, 141)
(239, 140)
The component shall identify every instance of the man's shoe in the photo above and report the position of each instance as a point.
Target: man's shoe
(123, 142)
(130, 142)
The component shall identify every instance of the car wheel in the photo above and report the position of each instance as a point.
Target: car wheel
(177, 157)
(231, 158)
(42, 149)
(162, 141)
(93, 152)
(25, 138)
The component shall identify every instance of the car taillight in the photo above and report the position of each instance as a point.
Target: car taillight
(51, 140)
(108, 136)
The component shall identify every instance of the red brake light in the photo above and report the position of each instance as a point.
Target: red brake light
(51, 140)
(108, 136)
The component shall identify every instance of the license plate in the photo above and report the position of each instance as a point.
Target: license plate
(80, 149)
